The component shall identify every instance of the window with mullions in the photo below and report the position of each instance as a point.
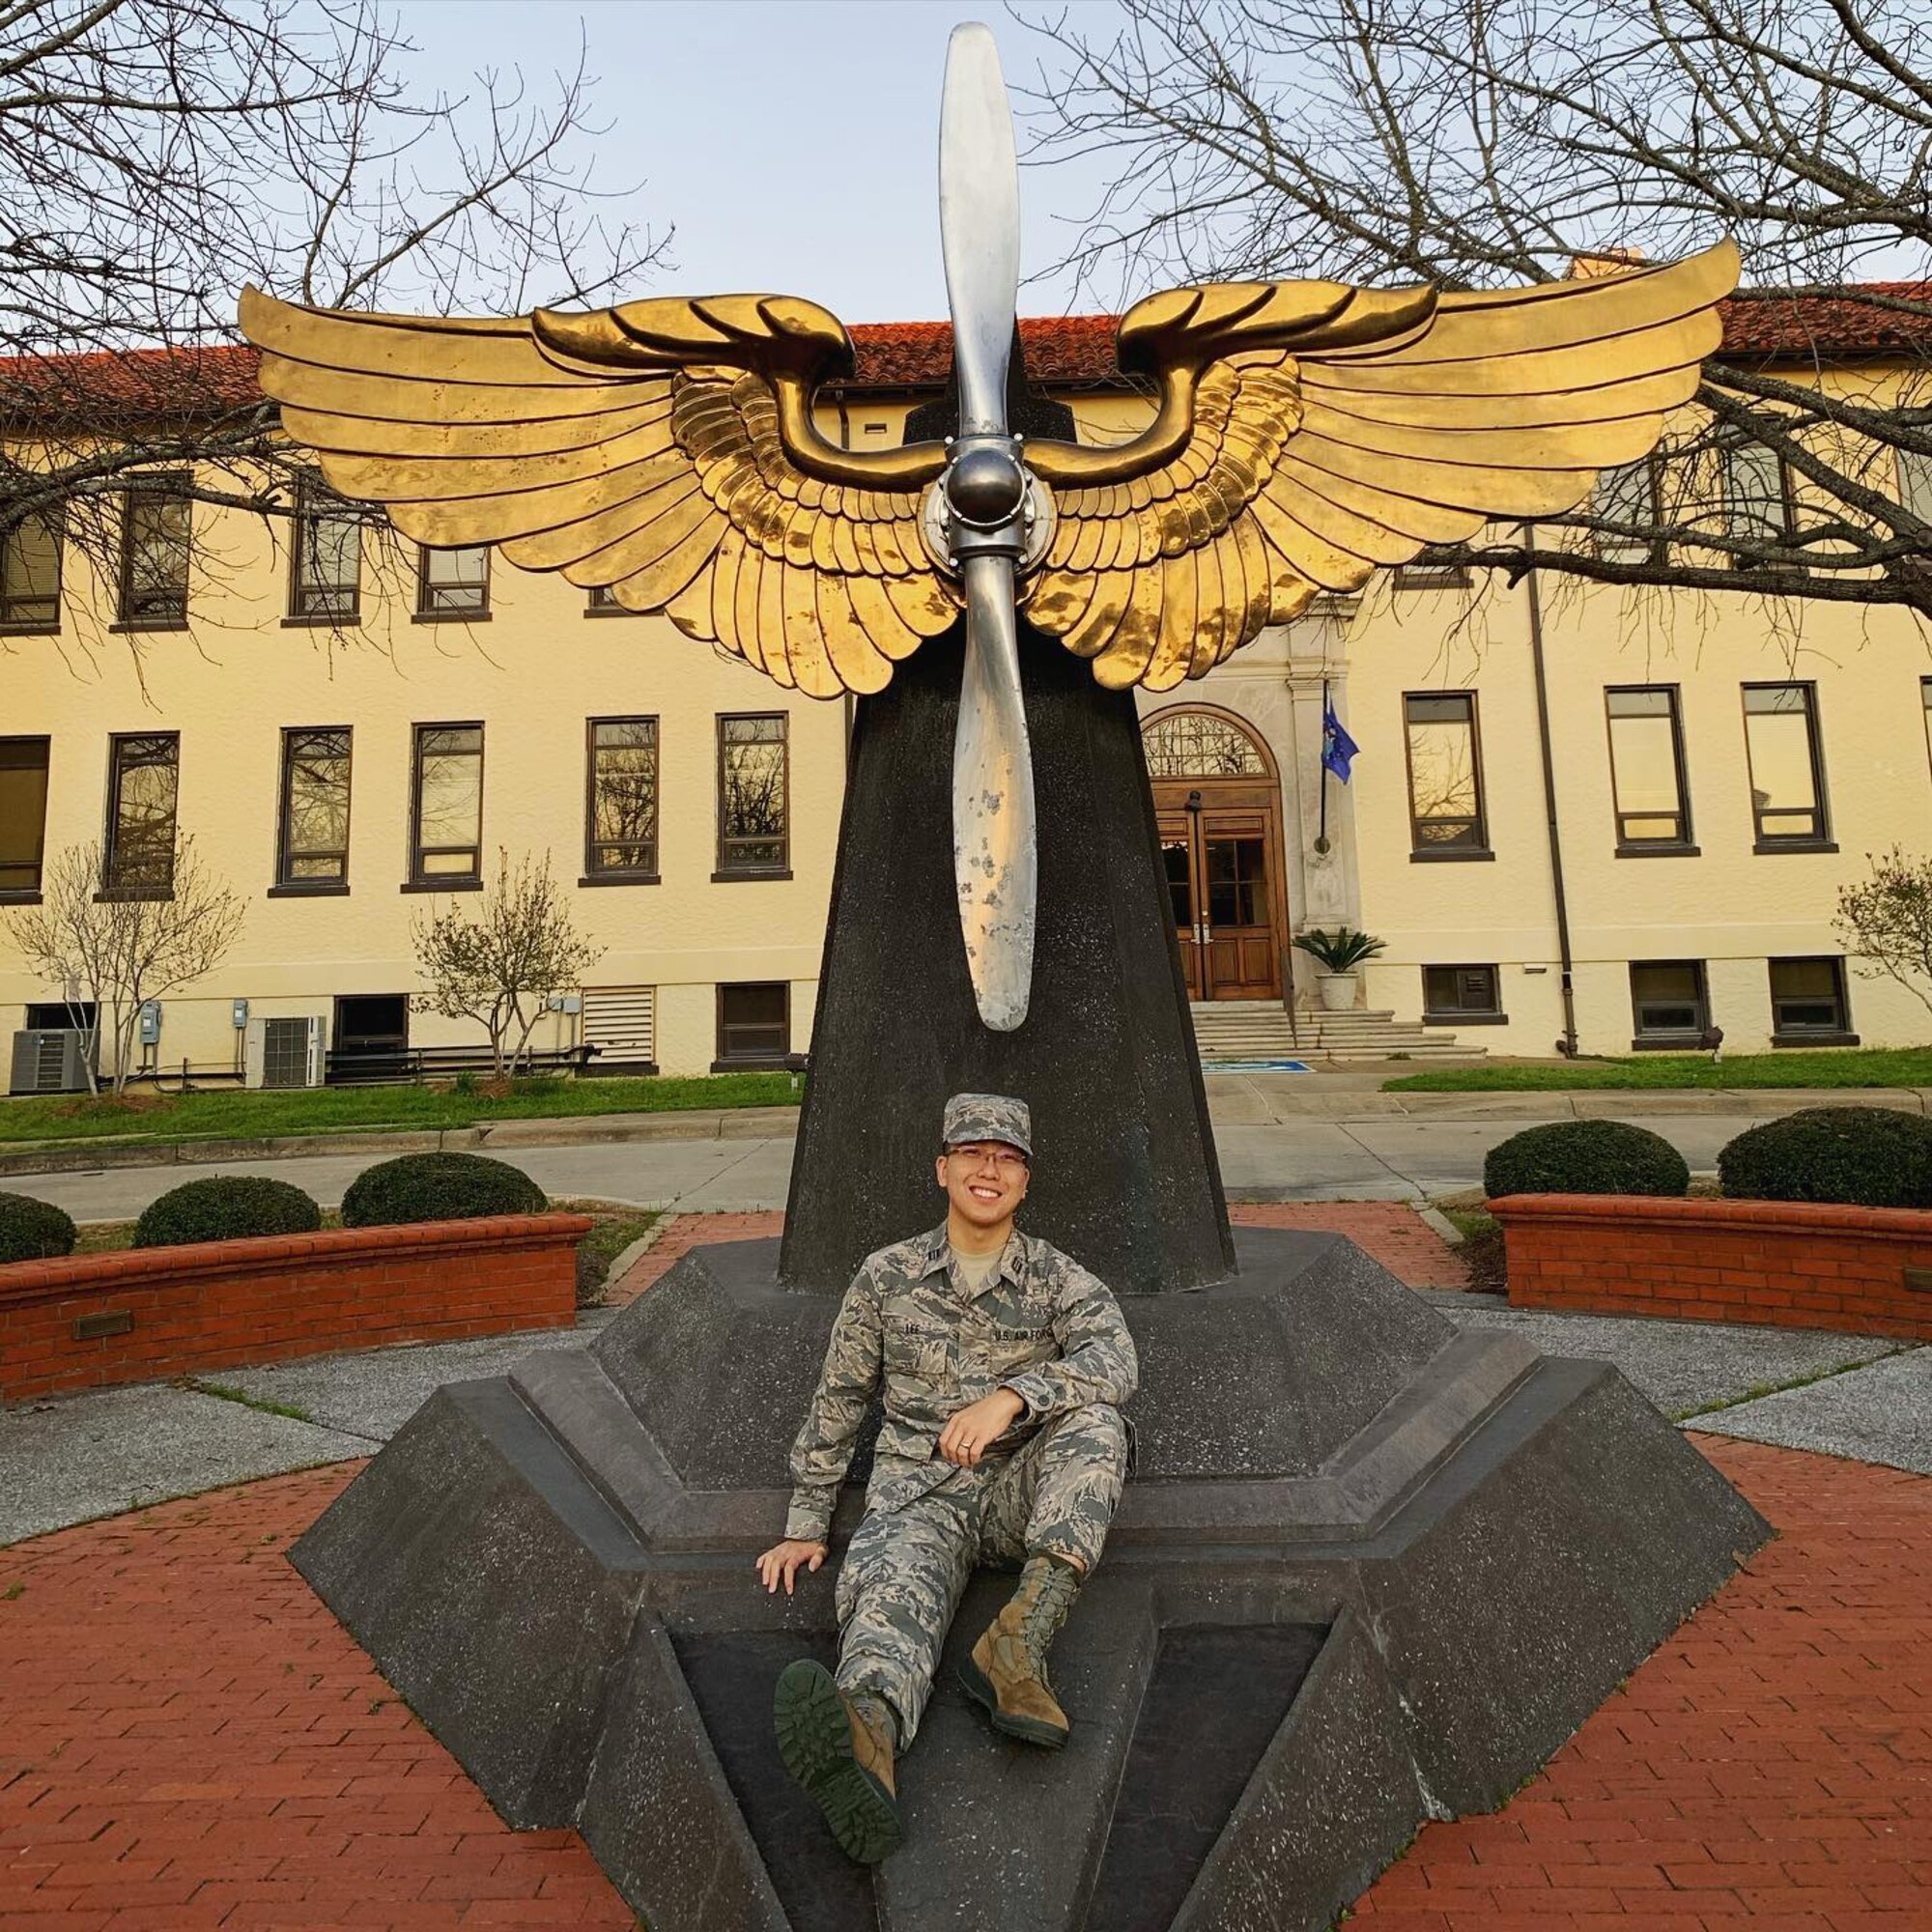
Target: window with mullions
(30, 576)
(1628, 497)
(156, 530)
(1668, 1003)
(621, 812)
(325, 577)
(1807, 1000)
(143, 789)
(24, 814)
(1647, 767)
(1758, 500)
(453, 583)
(1445, 787)
(446, 828)
(1787, 776)
(753, 804)
(313, 847)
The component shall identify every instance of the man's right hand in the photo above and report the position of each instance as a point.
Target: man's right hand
(780, 1564)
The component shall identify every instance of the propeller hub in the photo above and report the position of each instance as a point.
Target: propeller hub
(986, 485)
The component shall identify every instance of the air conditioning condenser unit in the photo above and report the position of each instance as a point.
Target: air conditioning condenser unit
(49, 1060)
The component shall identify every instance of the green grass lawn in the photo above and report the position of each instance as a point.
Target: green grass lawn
(1857, 1066)
(219, 1115)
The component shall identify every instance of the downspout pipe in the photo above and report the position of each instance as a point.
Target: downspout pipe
(1567, 1045)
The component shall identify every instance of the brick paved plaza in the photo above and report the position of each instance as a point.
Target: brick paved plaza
(188, 1739)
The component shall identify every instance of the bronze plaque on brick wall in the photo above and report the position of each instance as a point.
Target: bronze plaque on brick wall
(109, 1322)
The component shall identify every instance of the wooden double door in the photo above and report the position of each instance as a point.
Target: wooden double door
(1221, 857)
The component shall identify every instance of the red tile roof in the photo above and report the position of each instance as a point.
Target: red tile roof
(1881, 318)
(1075, 351)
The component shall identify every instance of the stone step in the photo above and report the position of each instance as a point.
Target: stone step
(1226, 1030)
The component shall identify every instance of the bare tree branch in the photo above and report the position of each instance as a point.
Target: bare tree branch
(1478, 142)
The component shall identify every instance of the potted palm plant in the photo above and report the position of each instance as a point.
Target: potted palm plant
(1337, 953)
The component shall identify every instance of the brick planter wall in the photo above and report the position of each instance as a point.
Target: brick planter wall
(223, 1304)
(1789, 1264)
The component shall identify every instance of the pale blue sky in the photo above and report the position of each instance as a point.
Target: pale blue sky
(791, 143)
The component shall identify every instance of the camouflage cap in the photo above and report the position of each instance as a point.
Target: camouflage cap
(988, 1117)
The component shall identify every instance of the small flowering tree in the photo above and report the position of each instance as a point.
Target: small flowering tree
(1885, 922)
(501, 965)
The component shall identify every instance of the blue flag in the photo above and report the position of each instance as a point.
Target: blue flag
(1337, 747)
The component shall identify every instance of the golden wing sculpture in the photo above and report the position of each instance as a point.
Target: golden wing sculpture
(1304, 434)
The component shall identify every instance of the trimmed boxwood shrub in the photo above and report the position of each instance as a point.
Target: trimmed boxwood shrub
(226, 1208)
(33, 1230)
(1585, 1157)
(439, 1188)
(1864, 1156)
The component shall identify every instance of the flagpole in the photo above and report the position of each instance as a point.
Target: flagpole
(1322, 837)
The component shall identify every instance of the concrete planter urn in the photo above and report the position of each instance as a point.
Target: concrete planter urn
(1336, 956)
(1338, 991)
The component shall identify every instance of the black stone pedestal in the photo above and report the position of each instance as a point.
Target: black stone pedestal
(1371, 1570)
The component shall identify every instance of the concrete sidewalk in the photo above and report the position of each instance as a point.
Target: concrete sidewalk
(1271, 1149)
(1342, 1095)
(67, 1462)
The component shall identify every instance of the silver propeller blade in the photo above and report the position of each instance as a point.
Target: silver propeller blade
(993, 850)
(979, 224)
(994, 862)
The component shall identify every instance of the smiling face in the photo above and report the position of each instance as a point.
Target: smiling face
(984, 1183)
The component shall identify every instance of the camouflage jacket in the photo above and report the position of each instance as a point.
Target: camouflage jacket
(1041, 1325)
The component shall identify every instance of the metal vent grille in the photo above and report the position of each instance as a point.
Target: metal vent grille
(285, 1053)
(621, 1022)
(48, 1056)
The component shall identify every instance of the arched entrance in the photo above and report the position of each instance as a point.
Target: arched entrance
(1218, 796)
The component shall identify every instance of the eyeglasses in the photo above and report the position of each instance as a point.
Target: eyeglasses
(1008, 1160)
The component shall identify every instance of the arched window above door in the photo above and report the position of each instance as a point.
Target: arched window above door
(1200, 745)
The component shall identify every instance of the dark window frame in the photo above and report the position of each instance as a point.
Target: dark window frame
(1622, 550)
(161, 486)
(1682, 846)
(29, 893)
(601, 602)
(418, 880)
(1478, 847)
(728, 868)
(1423, 573)
(112, 885)
(1675, 1040)
(428, 611)
(622, 875)
(312, 497)
(1839, 1032)
(1492, 1015)
(743, 1062)
(287, 883)
(1788, 527)
(16, 624)
(1819, 837)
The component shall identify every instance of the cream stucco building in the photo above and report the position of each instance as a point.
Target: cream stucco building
(354, 733)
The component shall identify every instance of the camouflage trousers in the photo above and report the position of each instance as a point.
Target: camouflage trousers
(906, 1569)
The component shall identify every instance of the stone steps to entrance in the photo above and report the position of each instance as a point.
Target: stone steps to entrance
(1237, 1030)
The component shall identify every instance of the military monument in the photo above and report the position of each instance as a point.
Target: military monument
(1371, 1569)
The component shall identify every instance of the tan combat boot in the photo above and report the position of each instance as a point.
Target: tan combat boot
(840, 1750)
(1006, 1671)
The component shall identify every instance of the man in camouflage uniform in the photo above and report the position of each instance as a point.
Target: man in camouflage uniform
(1004, 1362)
